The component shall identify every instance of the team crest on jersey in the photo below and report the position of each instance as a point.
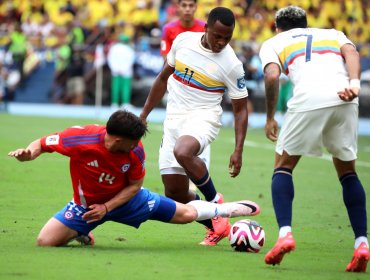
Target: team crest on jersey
(68, 215)
(241, 83)
(52, 140)
(125, 167)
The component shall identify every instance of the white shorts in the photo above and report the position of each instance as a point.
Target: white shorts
(306, 133)
(202, 126)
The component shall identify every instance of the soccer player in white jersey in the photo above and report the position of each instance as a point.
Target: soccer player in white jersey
(324, 67)
(200, 67)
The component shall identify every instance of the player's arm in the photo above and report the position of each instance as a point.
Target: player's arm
(241, 123)
(98, 211)
(272, 73)
(30, 153)
(352, 58)
(157, 91)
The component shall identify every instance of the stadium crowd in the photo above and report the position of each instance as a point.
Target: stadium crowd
(67, 33)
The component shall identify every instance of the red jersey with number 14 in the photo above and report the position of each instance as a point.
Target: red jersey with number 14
(97, 174)
(174, 28)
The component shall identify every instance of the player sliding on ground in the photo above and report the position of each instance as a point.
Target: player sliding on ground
(107, 171)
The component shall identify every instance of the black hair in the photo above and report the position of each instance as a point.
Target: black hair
(125, 124)
(222, 14)
(290, 17)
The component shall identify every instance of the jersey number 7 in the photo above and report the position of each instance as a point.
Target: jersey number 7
(308, 45)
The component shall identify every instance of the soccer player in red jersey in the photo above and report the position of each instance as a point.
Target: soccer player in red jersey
(107, 172)
(186, 22)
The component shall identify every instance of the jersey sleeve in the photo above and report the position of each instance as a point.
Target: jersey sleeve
(165, 42)
(137, 170)
(268, 55)
(172, 52)
(343, 39)
(235, 82)
(68, 141)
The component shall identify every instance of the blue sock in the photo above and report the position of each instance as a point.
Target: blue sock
(355, 200)
(206, 187)
(282, 195)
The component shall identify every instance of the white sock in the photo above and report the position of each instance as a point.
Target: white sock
(215, 199)
(207, 210)
(283, 231)
(359, 240)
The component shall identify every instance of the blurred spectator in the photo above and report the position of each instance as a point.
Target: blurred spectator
(9, 80)
(171, 11)
(18, 48)
(75, 77)
(149, 62)
(2, 85)
(63, 55)
(121, 58)
(252, 72)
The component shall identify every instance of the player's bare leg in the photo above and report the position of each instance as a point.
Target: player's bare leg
(186, 152)
(177, 188)
(55, 233)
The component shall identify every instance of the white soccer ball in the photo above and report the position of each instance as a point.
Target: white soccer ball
(247, 236)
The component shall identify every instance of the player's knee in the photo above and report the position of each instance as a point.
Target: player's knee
(44, 242)
(190, 214)
(182, 156)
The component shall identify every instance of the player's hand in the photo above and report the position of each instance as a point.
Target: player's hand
(96, 213)
(235, 164)
(21, 154)
(271, 129)
(348, 94)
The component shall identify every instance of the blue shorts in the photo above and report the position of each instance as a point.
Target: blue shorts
(145, 205)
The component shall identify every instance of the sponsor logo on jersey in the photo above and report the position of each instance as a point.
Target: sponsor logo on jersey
(68, 215)
(52, 140)
(125, 167)
(151, 204)
(241, 83)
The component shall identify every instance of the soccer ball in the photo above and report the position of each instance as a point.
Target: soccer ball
(247, 236)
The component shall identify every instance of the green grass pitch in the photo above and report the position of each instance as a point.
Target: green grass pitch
(31, 192)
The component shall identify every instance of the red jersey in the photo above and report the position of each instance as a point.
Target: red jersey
(97, 174)
(174, 28)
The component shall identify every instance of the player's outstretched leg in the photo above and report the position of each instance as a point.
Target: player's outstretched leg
(221, 212)
(282, 246)
(359, 260)
(242, 208)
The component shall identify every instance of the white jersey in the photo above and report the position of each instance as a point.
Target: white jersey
(312, 59)
(201, 77)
